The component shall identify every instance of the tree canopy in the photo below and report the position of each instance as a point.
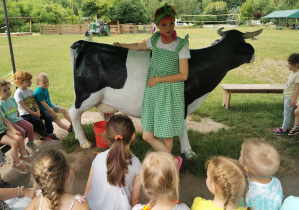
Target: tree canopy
(137, 11)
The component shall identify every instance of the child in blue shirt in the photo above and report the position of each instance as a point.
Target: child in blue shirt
(42, 97)
(261, 161)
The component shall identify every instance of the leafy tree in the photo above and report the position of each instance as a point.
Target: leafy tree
(257, 15)
(216, 8)
(131, 11)
(263, 6)
(234, 3)
(246, 9)
(90, 8)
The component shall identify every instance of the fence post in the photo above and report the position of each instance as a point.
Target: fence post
(59, 29)
(40, 29)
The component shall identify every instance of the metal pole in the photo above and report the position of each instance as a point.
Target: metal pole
(8, 36)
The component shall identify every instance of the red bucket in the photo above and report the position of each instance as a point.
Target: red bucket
(99, 128)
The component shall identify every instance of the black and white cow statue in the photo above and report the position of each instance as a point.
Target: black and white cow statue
(113, 79)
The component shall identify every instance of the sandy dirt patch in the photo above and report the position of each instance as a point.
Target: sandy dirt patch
(80, 161)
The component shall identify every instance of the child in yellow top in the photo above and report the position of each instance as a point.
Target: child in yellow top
(228, 181)
(291, 93)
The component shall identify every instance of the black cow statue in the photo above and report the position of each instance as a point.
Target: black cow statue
(113, 79)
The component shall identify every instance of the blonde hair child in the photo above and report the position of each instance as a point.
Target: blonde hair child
(113, 181)
(160, 181)
(261, 160)
(42, 97)
(51, 174)
(228, 181)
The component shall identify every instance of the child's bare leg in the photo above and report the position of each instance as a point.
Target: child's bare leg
(296, 117)
(19, 140)
(156, 143)
(14, 147)
(169, 143)
(65, 114)
(61, 124)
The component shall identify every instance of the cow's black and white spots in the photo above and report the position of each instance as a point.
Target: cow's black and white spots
(113, 78)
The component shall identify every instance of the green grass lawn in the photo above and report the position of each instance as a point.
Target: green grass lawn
(250, 115)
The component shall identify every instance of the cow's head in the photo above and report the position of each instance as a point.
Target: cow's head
(242, 51)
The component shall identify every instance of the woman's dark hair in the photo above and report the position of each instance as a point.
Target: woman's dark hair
(119, 131)
(161, 11)
(293, 58)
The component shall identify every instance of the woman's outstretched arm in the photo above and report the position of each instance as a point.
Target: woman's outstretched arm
(135, 46)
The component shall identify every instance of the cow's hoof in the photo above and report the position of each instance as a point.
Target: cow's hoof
(189, 154)
(86, 145)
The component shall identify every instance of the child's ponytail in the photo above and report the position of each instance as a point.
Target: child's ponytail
(119, 130)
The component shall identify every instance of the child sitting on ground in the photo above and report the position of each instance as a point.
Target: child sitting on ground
(27, 105)
(42, 97)
(291, 93)
(9, 107)
(51, 174)
(160, 180)
(114, 181)
(228, 181)
(10, 136)
(261, 161)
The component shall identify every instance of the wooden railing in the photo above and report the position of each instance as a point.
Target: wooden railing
(63, 29)
(80, 29)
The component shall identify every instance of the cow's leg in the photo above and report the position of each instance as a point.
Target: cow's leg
(185, 145)
(76, 115)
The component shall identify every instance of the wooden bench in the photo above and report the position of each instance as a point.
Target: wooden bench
(4, 148)
(248, 88)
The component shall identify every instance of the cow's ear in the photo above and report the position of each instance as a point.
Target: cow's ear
(245, 49)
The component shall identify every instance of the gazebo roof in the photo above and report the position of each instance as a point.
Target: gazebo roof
(284, 14)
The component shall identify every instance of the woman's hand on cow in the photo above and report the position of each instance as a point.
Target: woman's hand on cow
(153, 81)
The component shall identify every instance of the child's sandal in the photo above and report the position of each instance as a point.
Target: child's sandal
(70, 129)
(21, 168)
(26, 160)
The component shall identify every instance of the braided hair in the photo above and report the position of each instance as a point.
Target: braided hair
(230, 178)
(50, 174)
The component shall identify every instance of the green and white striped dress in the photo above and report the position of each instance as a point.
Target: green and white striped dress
(163, 104)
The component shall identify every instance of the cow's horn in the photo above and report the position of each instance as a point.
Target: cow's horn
(219, 31)
(248, 35)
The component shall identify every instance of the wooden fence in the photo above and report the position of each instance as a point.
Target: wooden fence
(80, 29)
(63, 29)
